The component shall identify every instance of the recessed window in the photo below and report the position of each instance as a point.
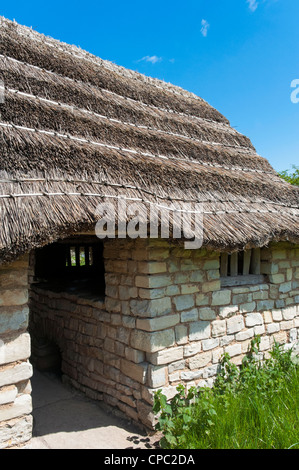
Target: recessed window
(73, 265)
(242, 267)
(79, 256)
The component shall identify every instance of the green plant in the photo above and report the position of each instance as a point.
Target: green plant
(251, 406)
(291, 177)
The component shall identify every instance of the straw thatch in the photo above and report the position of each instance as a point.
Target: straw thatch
(76, 130)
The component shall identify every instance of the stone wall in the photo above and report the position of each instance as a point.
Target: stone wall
(95, 336)
(15, 369)
(166, 320)
(191, 321)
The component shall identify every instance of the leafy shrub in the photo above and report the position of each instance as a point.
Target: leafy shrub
(251, 406)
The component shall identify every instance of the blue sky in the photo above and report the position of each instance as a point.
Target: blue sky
(239, 55)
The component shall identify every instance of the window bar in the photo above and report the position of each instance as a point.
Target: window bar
(68, 259)
(234, 264)
(224, 265)
(77, 248)
(256, 261)
(246, 262)
(87, 262)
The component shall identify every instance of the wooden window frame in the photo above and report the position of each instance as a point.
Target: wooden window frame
(241, 268)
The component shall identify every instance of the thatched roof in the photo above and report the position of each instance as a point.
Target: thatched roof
(75, 129)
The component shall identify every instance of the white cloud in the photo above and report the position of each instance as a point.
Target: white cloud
(152, 59)
(253, 4)
(204, 28)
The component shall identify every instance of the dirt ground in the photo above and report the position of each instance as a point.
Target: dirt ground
(64, 418)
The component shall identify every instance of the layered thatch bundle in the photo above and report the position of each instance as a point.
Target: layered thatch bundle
(76, 130)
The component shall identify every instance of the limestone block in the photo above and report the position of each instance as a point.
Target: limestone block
(13, 319)
(21, 406)
(145, 414)
(211, 371)
(167, 356)
(199, 330)
(200, 360)
(189, 288)
(192, 349)
(157, 376)
(285, 287)
(235, 324)
(273, 328)
(248, 307)
(191, 374)
(126, 292)
(150, 308)
(261, 295)
(253, 319)
(221, 297)
(233, 349)
(181, 334)
(152, 293)
(211, 286)
(197, 276)
(218, 327)
(268, 317)
(277, 278)
(202, 299)
(158, 323)
(15, 373)
(277, 315)
(210, 343)
(244, 335)
(172, 290)
(15, 349)
(152, 267)
(289, 313)
(264, 343)
(174, 377)
(189, 315)
(15, 432)
(217, 354)
(183, 302)
(287, 324)
(265, 305)
(178, 365)
(152, 341)
(226, 312)
(259, 329)
(8, 394)
(134, 355)
(134, 371)
(280, 337)
(211, 264)
(153, 281)
(206, 313)
(12, 278)
(13, 297)
(279, 254)
(181, 278)
(293, 334)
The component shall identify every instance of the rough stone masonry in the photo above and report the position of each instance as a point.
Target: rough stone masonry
(165, 320)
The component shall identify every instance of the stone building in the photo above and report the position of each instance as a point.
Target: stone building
(125, 316)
